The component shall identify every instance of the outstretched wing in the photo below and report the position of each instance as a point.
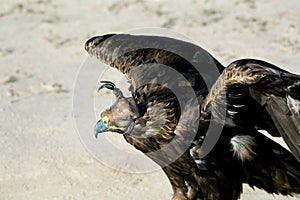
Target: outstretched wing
(262, 95)
(126, 52)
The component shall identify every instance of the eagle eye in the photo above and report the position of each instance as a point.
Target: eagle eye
(105, 120)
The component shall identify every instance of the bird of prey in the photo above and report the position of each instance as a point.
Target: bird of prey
(170, 124)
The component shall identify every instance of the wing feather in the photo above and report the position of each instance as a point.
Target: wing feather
(125, 52)
(276, 96)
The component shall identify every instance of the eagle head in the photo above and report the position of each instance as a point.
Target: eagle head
(120, 116)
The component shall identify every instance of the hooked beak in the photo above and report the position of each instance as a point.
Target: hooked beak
(99, 128)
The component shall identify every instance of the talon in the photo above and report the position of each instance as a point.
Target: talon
(107, 84)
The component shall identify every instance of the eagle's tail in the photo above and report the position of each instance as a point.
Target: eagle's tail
(273, 168)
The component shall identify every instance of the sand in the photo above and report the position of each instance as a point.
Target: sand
(42, 156)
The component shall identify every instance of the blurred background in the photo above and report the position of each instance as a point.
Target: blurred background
(41, 51)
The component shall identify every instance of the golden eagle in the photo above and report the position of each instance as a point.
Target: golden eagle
(170, 124)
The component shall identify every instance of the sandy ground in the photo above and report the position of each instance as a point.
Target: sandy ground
(41, 50)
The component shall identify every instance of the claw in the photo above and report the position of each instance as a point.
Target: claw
(107, 84)
(111, 86)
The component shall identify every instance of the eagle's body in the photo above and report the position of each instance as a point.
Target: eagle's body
(172, 125)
